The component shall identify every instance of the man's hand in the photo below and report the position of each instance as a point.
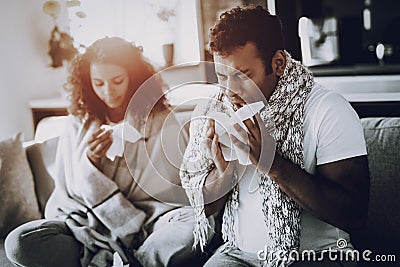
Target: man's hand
(219, 180)
(260, 144)
(213, 147)
(98, 144)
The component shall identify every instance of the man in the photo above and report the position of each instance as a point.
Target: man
(312, 190)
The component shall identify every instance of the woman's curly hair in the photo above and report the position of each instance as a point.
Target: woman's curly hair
(85, 104)
(240, 25)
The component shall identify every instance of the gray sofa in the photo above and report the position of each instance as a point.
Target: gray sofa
(381, 233)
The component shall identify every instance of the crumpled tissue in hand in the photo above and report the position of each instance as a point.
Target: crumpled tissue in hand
(121, 132)
(224, 126)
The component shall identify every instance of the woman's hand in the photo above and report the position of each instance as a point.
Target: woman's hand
(98, 144)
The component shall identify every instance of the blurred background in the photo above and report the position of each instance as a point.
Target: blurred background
(351, 46)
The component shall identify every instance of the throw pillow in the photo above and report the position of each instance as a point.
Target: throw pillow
(17, 193)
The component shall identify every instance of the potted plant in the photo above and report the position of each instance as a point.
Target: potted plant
(61, 46)
(166, 15)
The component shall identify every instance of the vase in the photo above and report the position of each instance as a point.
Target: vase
(168, 53)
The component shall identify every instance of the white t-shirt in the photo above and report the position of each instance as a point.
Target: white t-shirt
(332, 132)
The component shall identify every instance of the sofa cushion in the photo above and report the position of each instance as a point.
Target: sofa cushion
(41, 157)
(17, 194)
(382, 232)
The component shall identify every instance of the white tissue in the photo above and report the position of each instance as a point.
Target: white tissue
(117, 261)
(224, 127)
(121, 132)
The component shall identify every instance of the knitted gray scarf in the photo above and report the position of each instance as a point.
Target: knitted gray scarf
(281, 213)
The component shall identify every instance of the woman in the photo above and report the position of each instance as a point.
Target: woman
(100, 206)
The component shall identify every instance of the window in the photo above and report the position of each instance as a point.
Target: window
(137, 21)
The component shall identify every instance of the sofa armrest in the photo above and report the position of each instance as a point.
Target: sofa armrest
(41, 154)
(41, 158)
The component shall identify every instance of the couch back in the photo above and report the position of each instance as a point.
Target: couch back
(381, 233)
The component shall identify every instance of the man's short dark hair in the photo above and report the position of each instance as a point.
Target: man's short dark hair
(240, 25)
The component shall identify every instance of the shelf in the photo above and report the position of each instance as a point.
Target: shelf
(369, 88)
(42, 108)
(49, 103)
(386, 69)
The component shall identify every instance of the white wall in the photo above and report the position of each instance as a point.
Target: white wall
(24, 63)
